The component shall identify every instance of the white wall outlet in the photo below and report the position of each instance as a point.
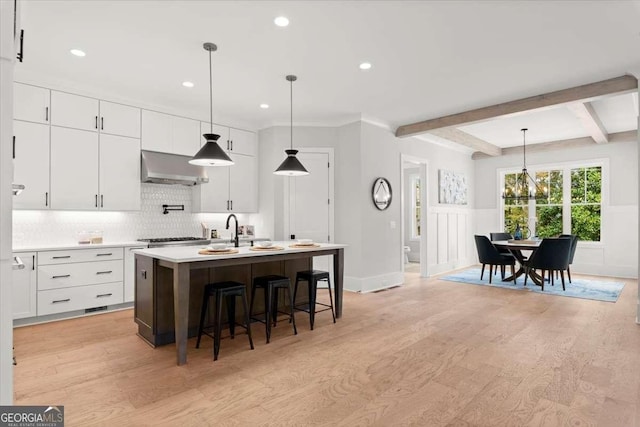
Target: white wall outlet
(392, 224)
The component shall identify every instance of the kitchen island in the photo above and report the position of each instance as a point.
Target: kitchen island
(170, 281)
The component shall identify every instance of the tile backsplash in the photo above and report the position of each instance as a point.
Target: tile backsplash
(32, 228)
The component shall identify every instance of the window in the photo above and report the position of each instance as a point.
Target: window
(573, 203)
(415, 207)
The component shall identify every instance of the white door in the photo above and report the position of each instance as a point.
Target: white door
(119, 173)
(186, 136)
(118, 119)
(31, 103)
(74, 169)
(243, 183)
(156, 131)
(31, 164)
(24, 287)
(309, 203)
(74, 111)
(242, 142)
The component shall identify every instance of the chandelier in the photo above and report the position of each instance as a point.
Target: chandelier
(525, 187)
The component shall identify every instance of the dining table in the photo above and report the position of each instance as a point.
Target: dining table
(516, 247)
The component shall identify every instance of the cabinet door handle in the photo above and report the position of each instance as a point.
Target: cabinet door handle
(232, 145)
(102, 201)
(20, 55)
(232, 205)
(46, 114)
(228, 145)
(96, 122)
(101, 123)
(104, 272)
(61, 276)
(96, 200)
(227, 205)
(143, 273)
(61, 300)
(14, 146)
(103, 295)
(107, 254)
(33, 262)
(61, 257)
(46, 199)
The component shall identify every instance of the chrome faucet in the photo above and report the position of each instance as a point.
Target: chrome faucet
(236, 240)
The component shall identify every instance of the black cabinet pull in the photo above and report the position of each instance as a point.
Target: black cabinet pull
(103, 295)
(20, 55)
(231, 205)
(232, 145)
(102, 201)
(46, 199)
(227, 205)
(109, 254)
(96, 200)
(61, 300)
(33, 262)
(61, 257)
(46, 114)
(104, 272)
(101, 123)
(96, 122)
(61, 276)
(14, 146)
(143, 273)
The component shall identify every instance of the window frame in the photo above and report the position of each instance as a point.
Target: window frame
(566, 167)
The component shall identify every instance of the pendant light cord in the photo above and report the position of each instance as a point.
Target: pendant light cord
(291, 103)
(210, 92)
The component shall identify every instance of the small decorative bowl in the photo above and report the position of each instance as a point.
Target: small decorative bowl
(264, 243)
(305, 241)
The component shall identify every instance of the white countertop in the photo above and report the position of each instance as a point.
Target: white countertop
(180, 254)
(54, 247)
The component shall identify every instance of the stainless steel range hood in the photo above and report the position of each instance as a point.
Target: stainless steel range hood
(163, 168)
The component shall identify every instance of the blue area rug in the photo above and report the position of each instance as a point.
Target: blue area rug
(580, 288)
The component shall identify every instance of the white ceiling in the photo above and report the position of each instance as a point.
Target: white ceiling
(429, 58)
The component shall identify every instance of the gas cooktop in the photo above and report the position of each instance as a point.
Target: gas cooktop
(175, 241)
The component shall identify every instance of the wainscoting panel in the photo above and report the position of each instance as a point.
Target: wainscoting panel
(443, 238)
(451, 248)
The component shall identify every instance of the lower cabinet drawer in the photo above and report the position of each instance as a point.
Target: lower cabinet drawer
(79, 297)
(79, 274)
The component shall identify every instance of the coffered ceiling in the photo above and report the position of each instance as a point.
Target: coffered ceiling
(429, 59)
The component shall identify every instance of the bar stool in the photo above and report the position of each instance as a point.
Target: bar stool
(271, 284)
(312, 277)
(228, 291)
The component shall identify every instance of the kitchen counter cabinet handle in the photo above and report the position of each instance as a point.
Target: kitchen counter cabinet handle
(96, 122)
(104, 272)
(46, 114)
(102, 200)
(232, 145)
(60, 300)
(62, 276)
(46, 198)
(106, 254)
(103, 295)
(20, 56)
(101, 123)
(231, 205)
(61, 257)
(96, 200)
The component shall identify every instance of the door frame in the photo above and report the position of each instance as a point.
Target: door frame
(424, 203)
(287, 192)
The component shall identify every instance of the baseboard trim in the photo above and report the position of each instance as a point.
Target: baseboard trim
(622, 271)
(373, 283)
(69, 315)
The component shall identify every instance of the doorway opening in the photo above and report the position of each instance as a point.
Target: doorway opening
(414, 216)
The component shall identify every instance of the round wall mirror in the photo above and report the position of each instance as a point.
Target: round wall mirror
(381, 193)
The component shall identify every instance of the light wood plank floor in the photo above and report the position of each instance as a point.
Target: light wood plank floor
(430, 353)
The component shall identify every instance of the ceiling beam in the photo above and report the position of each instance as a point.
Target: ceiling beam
(588, 92)
(585, 112)
(463, 138)
(627, 136)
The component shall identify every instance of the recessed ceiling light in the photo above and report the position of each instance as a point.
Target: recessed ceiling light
(187, 84)
(77, 52)
(281, 21)
(264, 106)
(365, 66)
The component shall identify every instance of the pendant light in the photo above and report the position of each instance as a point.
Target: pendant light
(211, 154)
(291, 166)
(525, 188)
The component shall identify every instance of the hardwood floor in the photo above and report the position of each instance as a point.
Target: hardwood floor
(430, 353)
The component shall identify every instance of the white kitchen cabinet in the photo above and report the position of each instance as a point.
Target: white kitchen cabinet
(118, 119)
(31, 103)
(31, 164)
(74, 169)
(223, 131)
(185, 136)
(24, 286)
(230, 188)
(130, 272)
(10, 25)
(243, 183)
(119, 178)
(242, 142)
(74, 111)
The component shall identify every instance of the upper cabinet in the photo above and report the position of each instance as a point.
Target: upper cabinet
(233, 140)
(74, 111)
(118, 119)
(119, 173)
(170, 134)
(31, 103)
(31, 164)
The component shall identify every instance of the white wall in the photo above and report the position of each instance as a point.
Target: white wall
(617, 255)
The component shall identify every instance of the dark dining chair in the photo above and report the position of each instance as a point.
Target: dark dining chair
(489, 254)
(551, 256)
(499, 236)
(574, 245)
